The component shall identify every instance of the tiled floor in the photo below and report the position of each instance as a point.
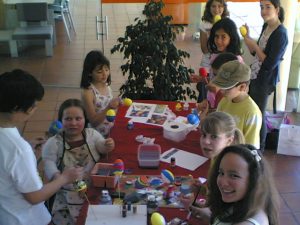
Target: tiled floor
(61, 76)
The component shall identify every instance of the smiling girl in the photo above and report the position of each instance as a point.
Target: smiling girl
(241, 189)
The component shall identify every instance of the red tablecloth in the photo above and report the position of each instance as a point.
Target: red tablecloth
(126, 149)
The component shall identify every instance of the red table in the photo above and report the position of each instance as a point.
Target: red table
(126, 149)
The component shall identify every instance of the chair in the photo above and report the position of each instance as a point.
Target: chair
(33, 19)
(62, 11)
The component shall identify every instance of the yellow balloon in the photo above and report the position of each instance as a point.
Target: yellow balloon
(111, 112)
(217, 18)
(243, 31)
(157, 219)
(127, 101)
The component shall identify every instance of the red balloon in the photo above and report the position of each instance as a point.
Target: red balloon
(203, 72)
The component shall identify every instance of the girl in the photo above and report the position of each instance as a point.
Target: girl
(223, 38)
(265, 68)
(97, 95)
(218, 130)
(241, 189)
(212, 8)
(74, 146)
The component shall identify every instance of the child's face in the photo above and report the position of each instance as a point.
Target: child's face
(213, 144)
(100, 74)
(222, 40)
(268, 11)
(233, 178)
(73, 121)
(216, 8)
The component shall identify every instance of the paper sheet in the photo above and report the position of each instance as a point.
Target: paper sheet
(111, 215)
(183, 158)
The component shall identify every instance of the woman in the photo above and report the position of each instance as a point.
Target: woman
(265, 68)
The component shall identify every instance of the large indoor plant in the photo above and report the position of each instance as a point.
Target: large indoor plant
(153, 65)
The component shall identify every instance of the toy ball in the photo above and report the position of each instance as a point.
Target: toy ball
(217, 18)
(127, 101)
(118, 166)
(156, 182)
(193, 119)
(110, 115)
(167, 176)
(141, 182)
(203, 72)
(157, 219)
(243, 31)
(55, 127)
(80, 186)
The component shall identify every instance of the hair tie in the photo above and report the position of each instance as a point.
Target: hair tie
(256, 155)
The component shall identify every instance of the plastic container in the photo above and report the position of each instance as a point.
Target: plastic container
(149, 155)
(105, 180)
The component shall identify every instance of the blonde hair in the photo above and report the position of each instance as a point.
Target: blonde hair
(221, 122)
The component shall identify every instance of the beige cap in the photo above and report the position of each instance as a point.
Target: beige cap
(232, 73)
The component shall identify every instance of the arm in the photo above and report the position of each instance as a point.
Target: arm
(203, 41)
(68, 176)
(275, 53)
(102, 145)
(202, 214)
(251, 129)
(254, 48)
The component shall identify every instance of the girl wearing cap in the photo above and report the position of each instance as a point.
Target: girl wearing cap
(265, 68)
(241, 189)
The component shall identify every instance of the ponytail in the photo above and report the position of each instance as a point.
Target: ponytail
(238, 137)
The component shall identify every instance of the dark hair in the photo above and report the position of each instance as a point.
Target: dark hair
(19, 91)
(230, 28)
(277, 4)
(72, 102)
(207, 16)
(223, 58)
(261, 193)
(92, 60)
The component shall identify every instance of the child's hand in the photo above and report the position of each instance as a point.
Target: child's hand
(211, 87)
(202, 108)
(187, 200)
(114, 103)
(72, 174)
(201, 213)
(195, 78)
(109, 144)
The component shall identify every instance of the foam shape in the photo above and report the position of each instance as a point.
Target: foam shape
(55, 127)
(141, 182)
(167, 176)
(110, 115)
(217, 18)
(119, 167)
(127, 102)
(243, 31)
(193, 119)
(202, 72)
(157, 219)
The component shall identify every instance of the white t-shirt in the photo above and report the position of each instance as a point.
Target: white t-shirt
(18, 174)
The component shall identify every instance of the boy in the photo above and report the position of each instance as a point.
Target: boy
(233, 79)
(21, 190)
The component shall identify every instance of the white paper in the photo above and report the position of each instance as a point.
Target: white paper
(183, 158)
(112, 215)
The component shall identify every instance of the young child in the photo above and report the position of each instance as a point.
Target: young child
(214, 94)
(218, 130)
(241, 189)
(97, 95)
(21, 190)
(223, 38)
(233, 79)
(265, 68)
(74, 146)
(212, 8)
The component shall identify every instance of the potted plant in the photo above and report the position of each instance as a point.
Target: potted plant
(153, 65)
